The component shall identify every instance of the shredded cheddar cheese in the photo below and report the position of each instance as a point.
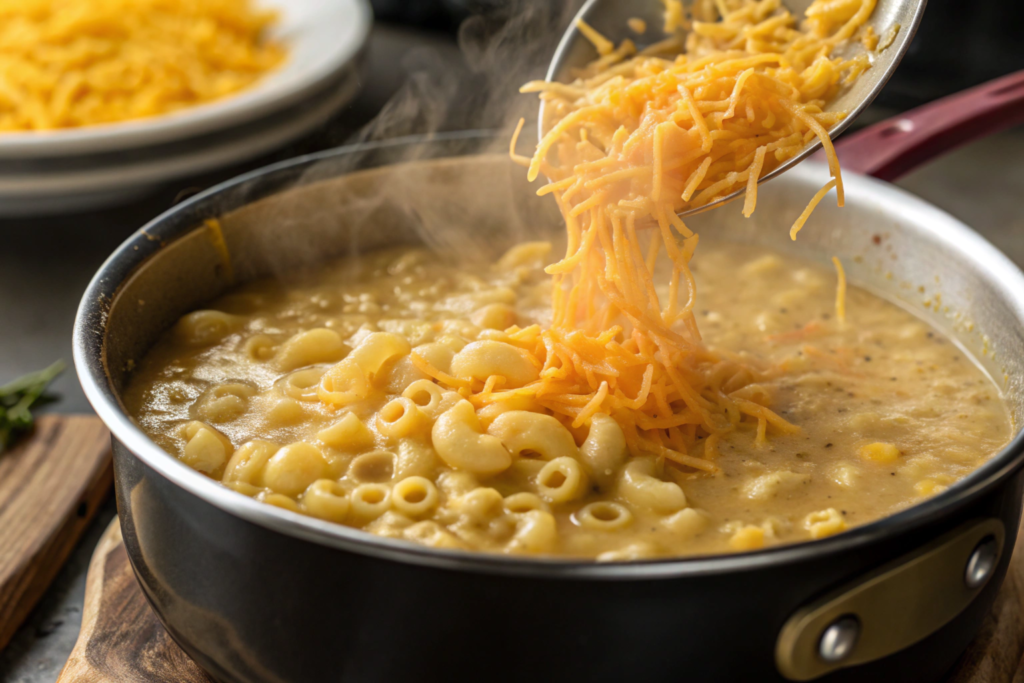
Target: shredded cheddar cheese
(633, 140)
(675, 15)
(216, 234)
(840, 290)
(637, 25)
(70, 63)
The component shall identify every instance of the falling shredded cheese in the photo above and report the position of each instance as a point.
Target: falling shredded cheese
(675, 15)
(70, 63)
(798, 224)
(840, 290)
(628, 144)
(601, 44)
(220, 245)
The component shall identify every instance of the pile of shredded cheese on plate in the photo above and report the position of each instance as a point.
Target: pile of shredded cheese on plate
(71, 63)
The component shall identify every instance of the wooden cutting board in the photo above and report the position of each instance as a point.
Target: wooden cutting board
(122, 640)
(51, 484)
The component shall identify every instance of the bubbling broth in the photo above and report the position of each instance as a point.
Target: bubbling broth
(367, 395)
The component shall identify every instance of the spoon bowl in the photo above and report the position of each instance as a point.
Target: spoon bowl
(610, 17)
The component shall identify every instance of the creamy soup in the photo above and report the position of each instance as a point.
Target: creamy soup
(886, 410)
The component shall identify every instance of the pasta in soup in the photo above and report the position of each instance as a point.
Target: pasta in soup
(399, 399)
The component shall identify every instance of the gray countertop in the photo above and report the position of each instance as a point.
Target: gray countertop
(46, 263)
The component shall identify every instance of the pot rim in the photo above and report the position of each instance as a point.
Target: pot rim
(175, 223)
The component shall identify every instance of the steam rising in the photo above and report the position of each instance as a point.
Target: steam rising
(459, 211)
(502, 48)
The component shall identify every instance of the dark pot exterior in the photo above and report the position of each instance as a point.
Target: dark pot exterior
(250, 605)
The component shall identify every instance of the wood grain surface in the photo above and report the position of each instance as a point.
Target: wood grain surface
(122, 640)
(51, 484)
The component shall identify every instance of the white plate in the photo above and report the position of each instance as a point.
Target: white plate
(322, 37)
(88, 187)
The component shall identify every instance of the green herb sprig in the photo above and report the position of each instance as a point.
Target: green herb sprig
(18, 398)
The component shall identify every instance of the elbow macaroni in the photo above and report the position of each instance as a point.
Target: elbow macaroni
(535, 533)
(400, 418)
(205, 328)
(377, 350)
(414, 496)
(370, 501)
(309, 348)
(326, 499)
(639, 486)
(427, 396)
(225, 402)
(528, 434)
(302, 385)
(604, 449)
(483, 359)
(604, 516)
(348, 434)
(561, 480)
(462, 444)
(206, 449)
(293, 468)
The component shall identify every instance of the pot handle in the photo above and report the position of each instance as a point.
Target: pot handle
(896, 146)
(893, 607)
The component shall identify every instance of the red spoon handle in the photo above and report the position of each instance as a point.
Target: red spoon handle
(894, 147)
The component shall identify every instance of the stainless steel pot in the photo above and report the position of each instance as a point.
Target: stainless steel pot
(256, 593)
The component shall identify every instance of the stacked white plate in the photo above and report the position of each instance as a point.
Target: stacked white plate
(66, 170)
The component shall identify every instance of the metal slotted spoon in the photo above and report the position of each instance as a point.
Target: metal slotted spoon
(609, 17)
